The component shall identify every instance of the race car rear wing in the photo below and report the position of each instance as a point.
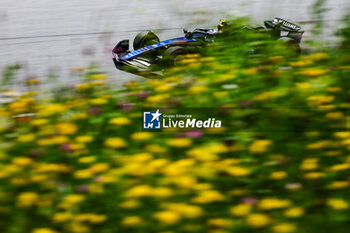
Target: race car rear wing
(282, 25)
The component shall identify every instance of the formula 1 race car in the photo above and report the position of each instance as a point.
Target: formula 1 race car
(151, 56)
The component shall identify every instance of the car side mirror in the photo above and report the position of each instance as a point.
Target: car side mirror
(185, 31)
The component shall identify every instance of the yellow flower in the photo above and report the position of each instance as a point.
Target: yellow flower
(208, 196)
(107, 179)
(278, 175)
(338, 204)
(84, 139)
(27, 199)
(62, 217)
(141, 136)
(320, 99)
(312, 72)
(173, 170)
(51, 167)
(311, 160)
(259, 146)
(237, 171)
(32, 81)
(180, 142)
(26, 138)
(340, 167)
(97, 218)
(83, 174)
(97, 83)
(98, 101)
(18, 106)
(216, 148)
(185, 181)
(334, 153)
(294, 212)
(79, 116)
(131, 221)
(273, 203)
(266, 96)
(74, 198)
(78, 227)
(304, 85)
(276, 59)
(90, 217)
(167, 217)
(189, 60)
(99, 167)
(284, 228)
(203, 155)
(346, 142)
(318, 145)
(96, 188)
(98, 76)
(130, 204)
(258, 220)
(250, 71)
(132, 84)
(154, 148)
(157, 98)
(115, 142)
(163, 88)
(44, 230)
(157, 163)
(66, 128)
(338, 184)
(335, 115)
(334, 89)
(52, 109)
(19, 181)
(162, 192)
(309, 164)
(301, 63)
(139, 191)
(197, 89)
(318, 56)
(38, 178)
(185, 210)
(59, 139)
(83, 86)
(314, 175)
(240, 209)
(342, 135)
(88, 159)
(141, 157)
(120, 121)
(224, 78)
(22, 161)
(219, 222)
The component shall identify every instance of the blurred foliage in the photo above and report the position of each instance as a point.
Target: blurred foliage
(318, 10)
(345, 33)
(8, 73)
(82, 164)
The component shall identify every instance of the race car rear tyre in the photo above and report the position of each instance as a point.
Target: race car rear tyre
(174, 55)
(144, 39)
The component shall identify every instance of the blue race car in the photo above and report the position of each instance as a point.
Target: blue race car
(151, 56)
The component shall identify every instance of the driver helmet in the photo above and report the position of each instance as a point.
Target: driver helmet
(222, 25)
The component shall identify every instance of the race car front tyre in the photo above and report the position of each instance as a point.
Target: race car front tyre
(174, 55)
(144, 39)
